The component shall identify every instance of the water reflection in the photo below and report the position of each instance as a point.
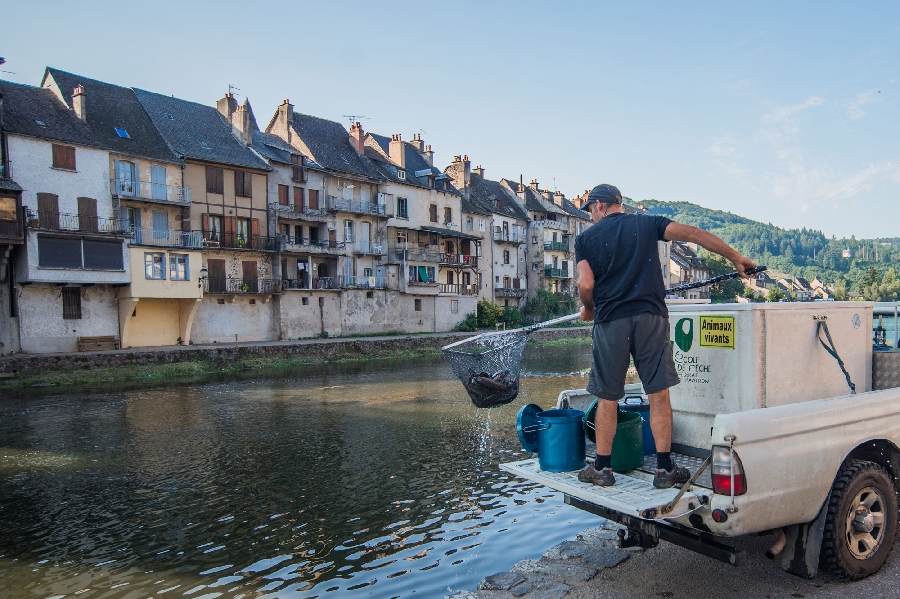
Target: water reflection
(373, 479)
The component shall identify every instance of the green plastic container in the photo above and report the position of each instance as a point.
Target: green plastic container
(628, 444)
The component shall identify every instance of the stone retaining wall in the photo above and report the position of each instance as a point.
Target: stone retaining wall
(319, 350)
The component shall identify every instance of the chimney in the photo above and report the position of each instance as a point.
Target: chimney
(534, 185)
(479, 170)
(548, 195)
(241, 124)
(358, 138)
(417, 143)
(79, 103)
(428, 154)
(284, 121)
(558, 198)
(459, 172)
(396, 151)
(521, 183)
(227, 106)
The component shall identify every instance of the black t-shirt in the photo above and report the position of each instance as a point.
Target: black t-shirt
(622, 252)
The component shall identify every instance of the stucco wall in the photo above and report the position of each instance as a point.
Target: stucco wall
(299, 321)
(141, 286)
(155, 322)
(219, 323)
(27, 268)
(9, 326)
(33, 160)
(42, 328)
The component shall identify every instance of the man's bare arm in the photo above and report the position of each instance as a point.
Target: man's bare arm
(586, 290)
(681, 232)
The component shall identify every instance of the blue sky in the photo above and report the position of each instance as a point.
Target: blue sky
(783, 112)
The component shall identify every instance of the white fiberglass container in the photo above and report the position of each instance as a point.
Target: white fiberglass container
(738, 357)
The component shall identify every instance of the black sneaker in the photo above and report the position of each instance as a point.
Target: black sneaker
(601, 478)
(669, 478)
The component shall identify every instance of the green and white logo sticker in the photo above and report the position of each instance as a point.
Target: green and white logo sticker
(684, 334)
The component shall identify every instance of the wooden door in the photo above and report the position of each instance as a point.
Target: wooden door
(87, 214)
(216, 275)
(48, 210)
(251, 278)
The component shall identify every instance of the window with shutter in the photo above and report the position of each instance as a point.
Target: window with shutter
(71, 297)
(251, 278)
(215, 275)
(432, 213)
(63, 157)
(87, 214)
(298, 173)
(158, 190)
(243, 184)
(283, 195)
(448, 215)
(215, 180)
(48, 210)
(103, 255)
(298, 199)
(313, 197)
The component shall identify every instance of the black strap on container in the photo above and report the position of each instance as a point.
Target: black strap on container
(822, 325)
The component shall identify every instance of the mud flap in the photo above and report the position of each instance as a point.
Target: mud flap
(803, 543)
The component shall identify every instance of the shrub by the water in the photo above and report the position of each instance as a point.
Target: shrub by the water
(513, 317)
(468, 324)
(488, 314)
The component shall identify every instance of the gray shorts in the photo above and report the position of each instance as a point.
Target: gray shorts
(644, 336)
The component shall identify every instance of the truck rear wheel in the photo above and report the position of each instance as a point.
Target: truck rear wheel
(860, 522)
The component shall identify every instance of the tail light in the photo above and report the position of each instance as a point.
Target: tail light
(726, 467)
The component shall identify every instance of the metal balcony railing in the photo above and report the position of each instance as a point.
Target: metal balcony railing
(558, 273)
(171, 239)
(299, 212)
(459, 259)
(230, 286)
(457, 288)
(417, 254)
(146, 190)
(556, 246)
(75, 223)
(348, 282)
(297, 244)
(367, 247)
(342, 205)
(508, 237)
(239, 241)
(509, 292)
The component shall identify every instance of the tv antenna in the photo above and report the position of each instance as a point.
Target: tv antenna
(2, 62)
(354, 118)
(233, 88)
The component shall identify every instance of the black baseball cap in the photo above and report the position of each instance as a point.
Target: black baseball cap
(608, 194)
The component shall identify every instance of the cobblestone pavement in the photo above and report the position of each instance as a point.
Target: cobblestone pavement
(592, 567)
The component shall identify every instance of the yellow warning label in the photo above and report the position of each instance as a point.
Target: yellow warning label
(717, 331)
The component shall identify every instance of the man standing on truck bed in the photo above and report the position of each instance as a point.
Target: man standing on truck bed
(622, 291)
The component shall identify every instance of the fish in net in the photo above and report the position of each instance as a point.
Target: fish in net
(488, 366)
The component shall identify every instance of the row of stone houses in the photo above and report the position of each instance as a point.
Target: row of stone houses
(151, 220)
(798, 287)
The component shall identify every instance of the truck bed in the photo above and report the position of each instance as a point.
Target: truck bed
(633, 493)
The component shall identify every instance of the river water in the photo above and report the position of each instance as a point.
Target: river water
(375, 479)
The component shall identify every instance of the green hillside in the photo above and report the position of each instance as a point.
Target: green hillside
(870, 270)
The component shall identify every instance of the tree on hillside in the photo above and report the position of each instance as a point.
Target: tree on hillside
(775, 294)
(840, 290)
(726, 290)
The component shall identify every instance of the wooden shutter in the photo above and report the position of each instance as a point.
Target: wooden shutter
(298, 199)
(216, 275)
(243, 184)
(87, 214)
(284, 195)
(204, 225)
(255, 242)
(48, 210)
(313, 197)
(432, 213)
(63, 157)
(230, 231)
(251, 278)
(215, 180)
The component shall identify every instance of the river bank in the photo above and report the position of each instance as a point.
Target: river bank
(82, 369)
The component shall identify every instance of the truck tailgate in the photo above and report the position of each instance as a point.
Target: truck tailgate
(633, 493)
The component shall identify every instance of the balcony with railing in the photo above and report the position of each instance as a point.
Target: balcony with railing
(502, 236)
(296, 212)
(416, 254)
(76, 223)
(234, 286)
(459, 260)
(556, 246)
(310, 246)
(457, 289)
(11, 231)
(148, 191)
(366, 247)
(371, 208)
(509, 292)
(556, 273)
(549, 224)
(168, 239)
(336, 283)
(239, 241)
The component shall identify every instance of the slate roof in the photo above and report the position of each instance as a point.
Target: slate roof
(414, 163)
(494, 197)
(9, 185)
(685, 257)
(533, 199)
(573, 210)
(273, 147)
(24, 105)
(197, 131)
(329, 144)
(472, 207)
(110, 106)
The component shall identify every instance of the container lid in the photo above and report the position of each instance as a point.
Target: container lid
(634, 400)
(525, 426)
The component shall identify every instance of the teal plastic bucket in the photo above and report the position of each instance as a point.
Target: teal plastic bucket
(628, 444)
(560, 440)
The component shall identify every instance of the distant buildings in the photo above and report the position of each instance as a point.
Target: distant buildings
(139, 219)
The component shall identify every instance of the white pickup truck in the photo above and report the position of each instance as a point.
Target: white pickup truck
(767, 421)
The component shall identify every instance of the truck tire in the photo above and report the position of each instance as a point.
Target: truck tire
(860, 522)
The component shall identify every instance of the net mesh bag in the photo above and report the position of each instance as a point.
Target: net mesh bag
(488, 367)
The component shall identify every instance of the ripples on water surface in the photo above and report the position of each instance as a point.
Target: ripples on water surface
(375, 479)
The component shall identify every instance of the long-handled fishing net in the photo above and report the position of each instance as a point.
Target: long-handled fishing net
(488, 364)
